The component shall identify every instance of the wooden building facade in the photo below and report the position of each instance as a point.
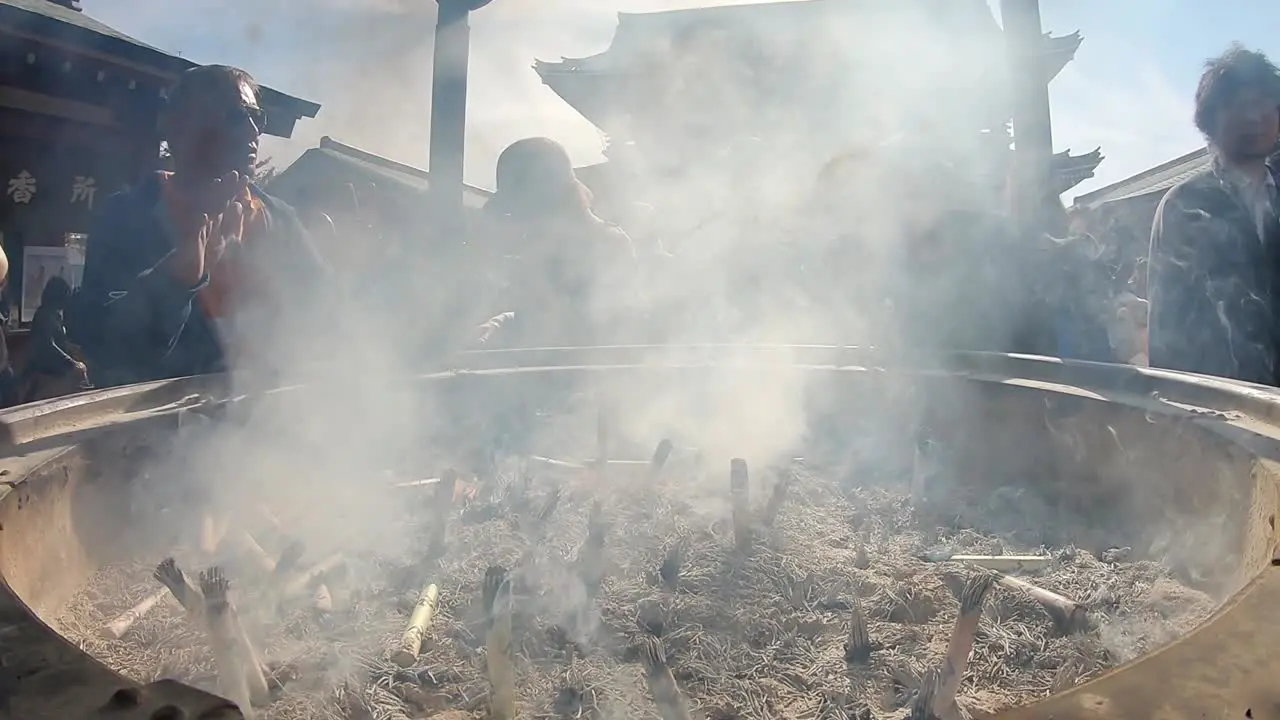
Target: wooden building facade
(79, 110)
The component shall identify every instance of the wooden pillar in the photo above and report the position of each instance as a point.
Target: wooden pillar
(1029, 90)
(449, 108)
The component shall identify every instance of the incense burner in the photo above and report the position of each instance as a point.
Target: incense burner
(1188, 462)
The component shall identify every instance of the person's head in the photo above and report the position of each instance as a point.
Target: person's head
(535, 177)
(212, 122)
(56, 293)
(1238, 104)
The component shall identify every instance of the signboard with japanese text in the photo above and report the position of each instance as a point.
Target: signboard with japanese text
(51, 191)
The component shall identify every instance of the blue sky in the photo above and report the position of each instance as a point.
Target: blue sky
(367, 61)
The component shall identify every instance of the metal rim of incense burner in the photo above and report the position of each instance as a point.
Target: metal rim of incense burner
(1224, 667)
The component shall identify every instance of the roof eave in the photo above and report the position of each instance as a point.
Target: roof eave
(164, 65)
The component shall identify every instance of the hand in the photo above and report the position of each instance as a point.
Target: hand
(202, 239)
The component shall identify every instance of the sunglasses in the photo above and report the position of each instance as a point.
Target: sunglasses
(239, 114)
(215, 119)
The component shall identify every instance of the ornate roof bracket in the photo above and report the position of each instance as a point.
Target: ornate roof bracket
(1067, 170)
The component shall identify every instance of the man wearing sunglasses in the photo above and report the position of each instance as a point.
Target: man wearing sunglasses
(195, 270)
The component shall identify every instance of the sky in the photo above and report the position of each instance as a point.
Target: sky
(1129, 90)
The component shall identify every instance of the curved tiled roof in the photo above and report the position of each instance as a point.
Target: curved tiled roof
(1156, 180)
(339, 163)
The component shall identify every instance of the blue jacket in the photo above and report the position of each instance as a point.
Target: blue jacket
(135, 321)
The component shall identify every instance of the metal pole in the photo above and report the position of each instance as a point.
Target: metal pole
(1032, 131)
(449, 108)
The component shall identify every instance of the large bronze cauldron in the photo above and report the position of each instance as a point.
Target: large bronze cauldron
(1190, 456)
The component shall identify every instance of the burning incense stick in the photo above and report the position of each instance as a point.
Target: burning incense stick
(315, 575)
(289, 558)
(239, 670)
(321, 600)
(672, 562)
(168, 573)
(591, 560)
(442, 506)
(424, 613)
(501, 667)
(604, 438)
(212, 530)
(118, 627)
(661, 455)
(252, 550)
(961, 645)
(657, 674)
(575, 465)
(1067, 615)
(1005, 563)
(777, 498)
(739, 492)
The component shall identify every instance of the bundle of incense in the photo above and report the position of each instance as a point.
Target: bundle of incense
(496, 596)
(424, 612)
(239, 669)
(739, 492)
(923, 704)
(168, 573)
(857, 648)
(549, 505)
(961, 645)
(657, 674)
(118, 627)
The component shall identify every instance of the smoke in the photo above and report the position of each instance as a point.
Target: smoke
(740, 113)
(817, 172)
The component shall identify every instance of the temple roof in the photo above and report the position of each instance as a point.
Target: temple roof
(50, 21)
(1059, 51)
(1070, 170)
(335, 164)
(1156, 180)
(802, 30)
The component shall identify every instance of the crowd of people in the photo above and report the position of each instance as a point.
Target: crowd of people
(198, 270)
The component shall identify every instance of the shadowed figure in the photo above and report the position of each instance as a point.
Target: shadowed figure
(565, 273)
(49, 359)
(1215, 241)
